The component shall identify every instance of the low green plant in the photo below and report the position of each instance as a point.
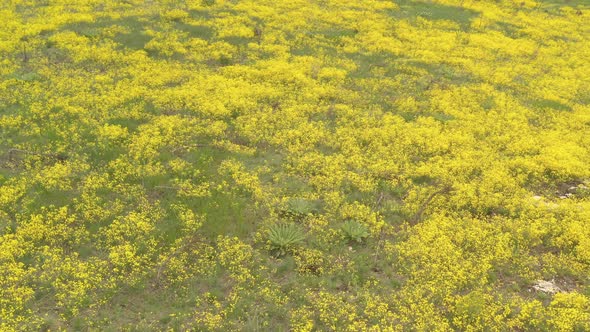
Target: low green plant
(283, 237)
(300, 207)
(355, 231)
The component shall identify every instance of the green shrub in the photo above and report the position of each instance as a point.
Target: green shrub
(283, 237)
(355, 231)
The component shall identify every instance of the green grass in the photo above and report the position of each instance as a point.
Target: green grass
(229, 210)
(433, 11)
(195, 31)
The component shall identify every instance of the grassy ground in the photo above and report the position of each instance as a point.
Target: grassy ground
(148, 149)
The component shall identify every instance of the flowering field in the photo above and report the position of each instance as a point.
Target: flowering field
(302, 165)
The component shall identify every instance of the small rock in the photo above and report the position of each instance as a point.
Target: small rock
(537, 198)
(546, 287)
(563, 197)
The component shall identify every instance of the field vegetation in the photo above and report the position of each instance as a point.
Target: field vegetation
(302, 165)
